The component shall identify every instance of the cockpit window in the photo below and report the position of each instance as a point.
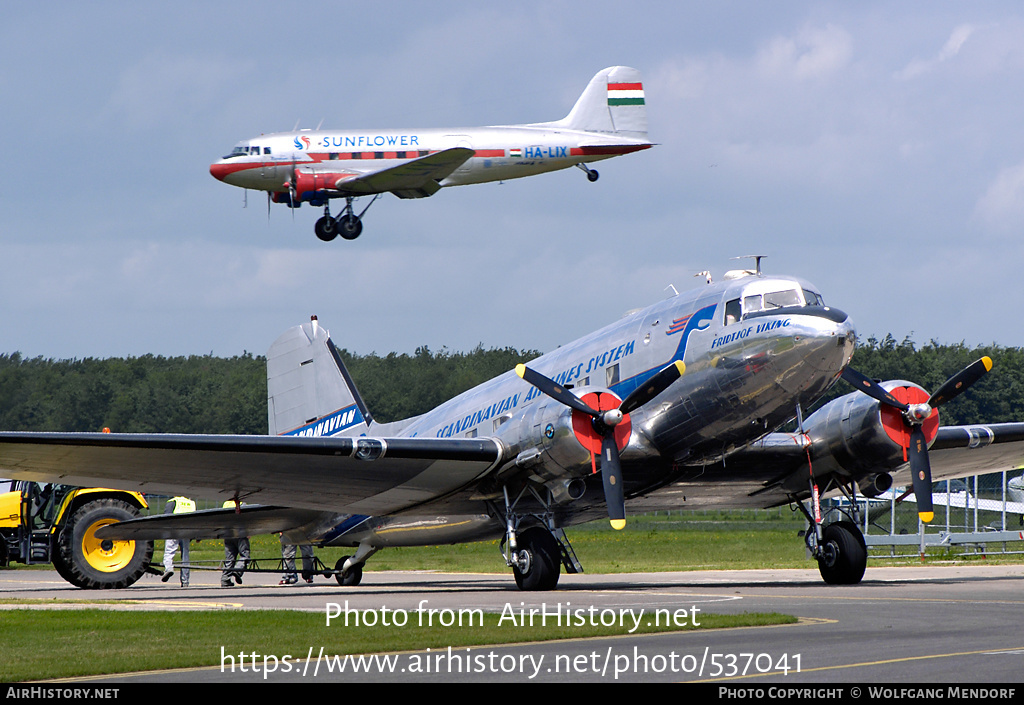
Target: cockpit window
(732, 311)
(779, 299)
(755, 303)
(813, 299)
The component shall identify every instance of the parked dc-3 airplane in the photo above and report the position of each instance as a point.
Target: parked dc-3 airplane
(676, 405)
(314, 166)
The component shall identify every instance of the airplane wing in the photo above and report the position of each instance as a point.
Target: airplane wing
(958, 451)
(213, 524)
(354, 475)
(415, 178)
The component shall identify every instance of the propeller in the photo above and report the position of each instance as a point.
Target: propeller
(610, 422)
(914, 415)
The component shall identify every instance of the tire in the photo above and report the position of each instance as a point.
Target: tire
(354, 575)
(847, 554)
(325, 229)
(349, 226)
(87, 562)
(545, 560)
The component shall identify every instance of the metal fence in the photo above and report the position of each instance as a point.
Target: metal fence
(975, 516)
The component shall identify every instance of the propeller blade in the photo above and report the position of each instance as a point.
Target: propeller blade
(654, 386)
(920, 468)
(555, 391)
(611, 475)
(959, 382)
(872, 388)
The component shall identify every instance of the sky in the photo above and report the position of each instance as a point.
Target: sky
(872, 148)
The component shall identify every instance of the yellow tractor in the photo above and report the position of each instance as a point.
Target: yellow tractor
(50, 523)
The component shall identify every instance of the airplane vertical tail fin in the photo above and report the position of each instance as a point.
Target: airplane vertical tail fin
(612, 102)
(309, 390)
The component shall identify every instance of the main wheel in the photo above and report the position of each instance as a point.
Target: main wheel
(89, 562)
(845, 554)
(350, 226)
(542, 562)
(325, 228)
(352, 577)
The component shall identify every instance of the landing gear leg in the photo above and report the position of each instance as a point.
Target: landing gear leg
(839, 548)
(348, 223)
(326, 228)
(350, 568)
(592, 174)
(537, 553)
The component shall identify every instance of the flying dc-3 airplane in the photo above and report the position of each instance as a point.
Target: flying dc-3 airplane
(676, 405)
(314, 166)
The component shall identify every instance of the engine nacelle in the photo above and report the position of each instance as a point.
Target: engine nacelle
(285, 198)
(559, 444)
(547, 428)
(858, 437)
(307, 183)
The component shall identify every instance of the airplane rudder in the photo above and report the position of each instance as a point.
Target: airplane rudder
(613, 101)
(627, 101)
(309, 390)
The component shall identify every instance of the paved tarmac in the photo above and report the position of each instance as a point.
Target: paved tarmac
(951, 625)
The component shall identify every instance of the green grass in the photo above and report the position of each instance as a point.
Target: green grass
(665, 542)
(45, 644)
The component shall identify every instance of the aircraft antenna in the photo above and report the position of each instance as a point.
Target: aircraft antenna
(757, 261)
(673, 288)
(706, 274)
(319, 124)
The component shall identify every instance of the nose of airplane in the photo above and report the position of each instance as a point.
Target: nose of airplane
(220, 170)
(839, 338)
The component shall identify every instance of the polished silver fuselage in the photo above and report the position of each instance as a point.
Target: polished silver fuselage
(746, 372)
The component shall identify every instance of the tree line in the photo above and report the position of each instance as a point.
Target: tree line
(206, 394)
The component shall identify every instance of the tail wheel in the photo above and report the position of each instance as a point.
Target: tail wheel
(542, 563)
(844, 554)
(93, 563)
(351, 577)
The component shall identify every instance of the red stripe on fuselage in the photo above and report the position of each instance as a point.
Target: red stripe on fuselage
(609, 150)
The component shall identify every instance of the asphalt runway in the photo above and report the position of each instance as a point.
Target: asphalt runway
(952, 625)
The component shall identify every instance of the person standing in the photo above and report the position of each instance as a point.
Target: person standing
(288, 560)
(177, 505)
(236, 554)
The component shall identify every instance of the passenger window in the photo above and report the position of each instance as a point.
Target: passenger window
(611, 375)
(266, 150)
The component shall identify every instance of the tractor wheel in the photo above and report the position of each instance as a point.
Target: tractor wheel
(95, 564)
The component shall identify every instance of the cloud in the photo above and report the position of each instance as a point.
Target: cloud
(813, 52)
(1001, 207)
(950, 50)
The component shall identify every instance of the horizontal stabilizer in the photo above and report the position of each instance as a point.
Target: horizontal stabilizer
(211, 524)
